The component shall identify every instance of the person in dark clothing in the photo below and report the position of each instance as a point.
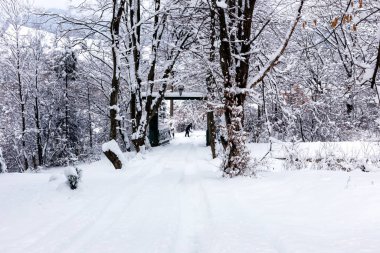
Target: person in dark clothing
(188, 128)
(171, 130)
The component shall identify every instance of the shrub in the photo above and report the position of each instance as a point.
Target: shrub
(73, 176)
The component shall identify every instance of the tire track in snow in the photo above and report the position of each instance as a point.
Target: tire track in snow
(270, 240)
(76, 223)
(161, 209)
(130, 214)
(234, 224)
(194, 207)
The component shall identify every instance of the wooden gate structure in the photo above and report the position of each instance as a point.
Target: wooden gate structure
(158, 136)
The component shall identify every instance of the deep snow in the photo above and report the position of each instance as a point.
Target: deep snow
(173, 199)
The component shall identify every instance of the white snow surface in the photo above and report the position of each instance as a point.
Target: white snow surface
(173, 199)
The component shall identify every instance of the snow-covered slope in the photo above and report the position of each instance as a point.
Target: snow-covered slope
(174, 199)
(26, 33)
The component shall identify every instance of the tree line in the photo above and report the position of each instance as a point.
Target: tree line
(293, 70)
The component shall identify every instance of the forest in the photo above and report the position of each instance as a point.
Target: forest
(294, 71)
(185, 126)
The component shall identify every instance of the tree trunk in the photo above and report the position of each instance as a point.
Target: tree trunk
(23, 129)
(89, 116)
(23, 111)
(38, 124)
(67, 116)
(236, 157)
(235, 72)
(113, 104)
(118, 12)
(211, 133)
(373, 81)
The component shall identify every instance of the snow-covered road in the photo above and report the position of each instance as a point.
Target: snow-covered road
(174, 200)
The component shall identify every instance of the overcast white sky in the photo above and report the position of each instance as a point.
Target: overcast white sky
(61, 4)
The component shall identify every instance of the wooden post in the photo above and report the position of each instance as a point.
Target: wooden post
(172, 105)
(210, 135)
(153, 131)
(171, 108)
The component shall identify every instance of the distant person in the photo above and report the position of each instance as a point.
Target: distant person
(172, 130)
(188, 128)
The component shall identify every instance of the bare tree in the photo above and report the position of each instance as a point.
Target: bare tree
(235, 30)
(17, 17)
(166, 26)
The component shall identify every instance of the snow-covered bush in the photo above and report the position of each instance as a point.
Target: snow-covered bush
(262, 165)
(339, 164)
(3, 166)
(293, 157)
(73, 176)
(329, 156)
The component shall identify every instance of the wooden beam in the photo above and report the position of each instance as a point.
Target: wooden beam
(176, 96)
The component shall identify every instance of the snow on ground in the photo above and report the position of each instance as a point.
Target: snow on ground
(173, 199)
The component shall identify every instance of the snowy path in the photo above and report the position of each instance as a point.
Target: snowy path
(173, 200)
